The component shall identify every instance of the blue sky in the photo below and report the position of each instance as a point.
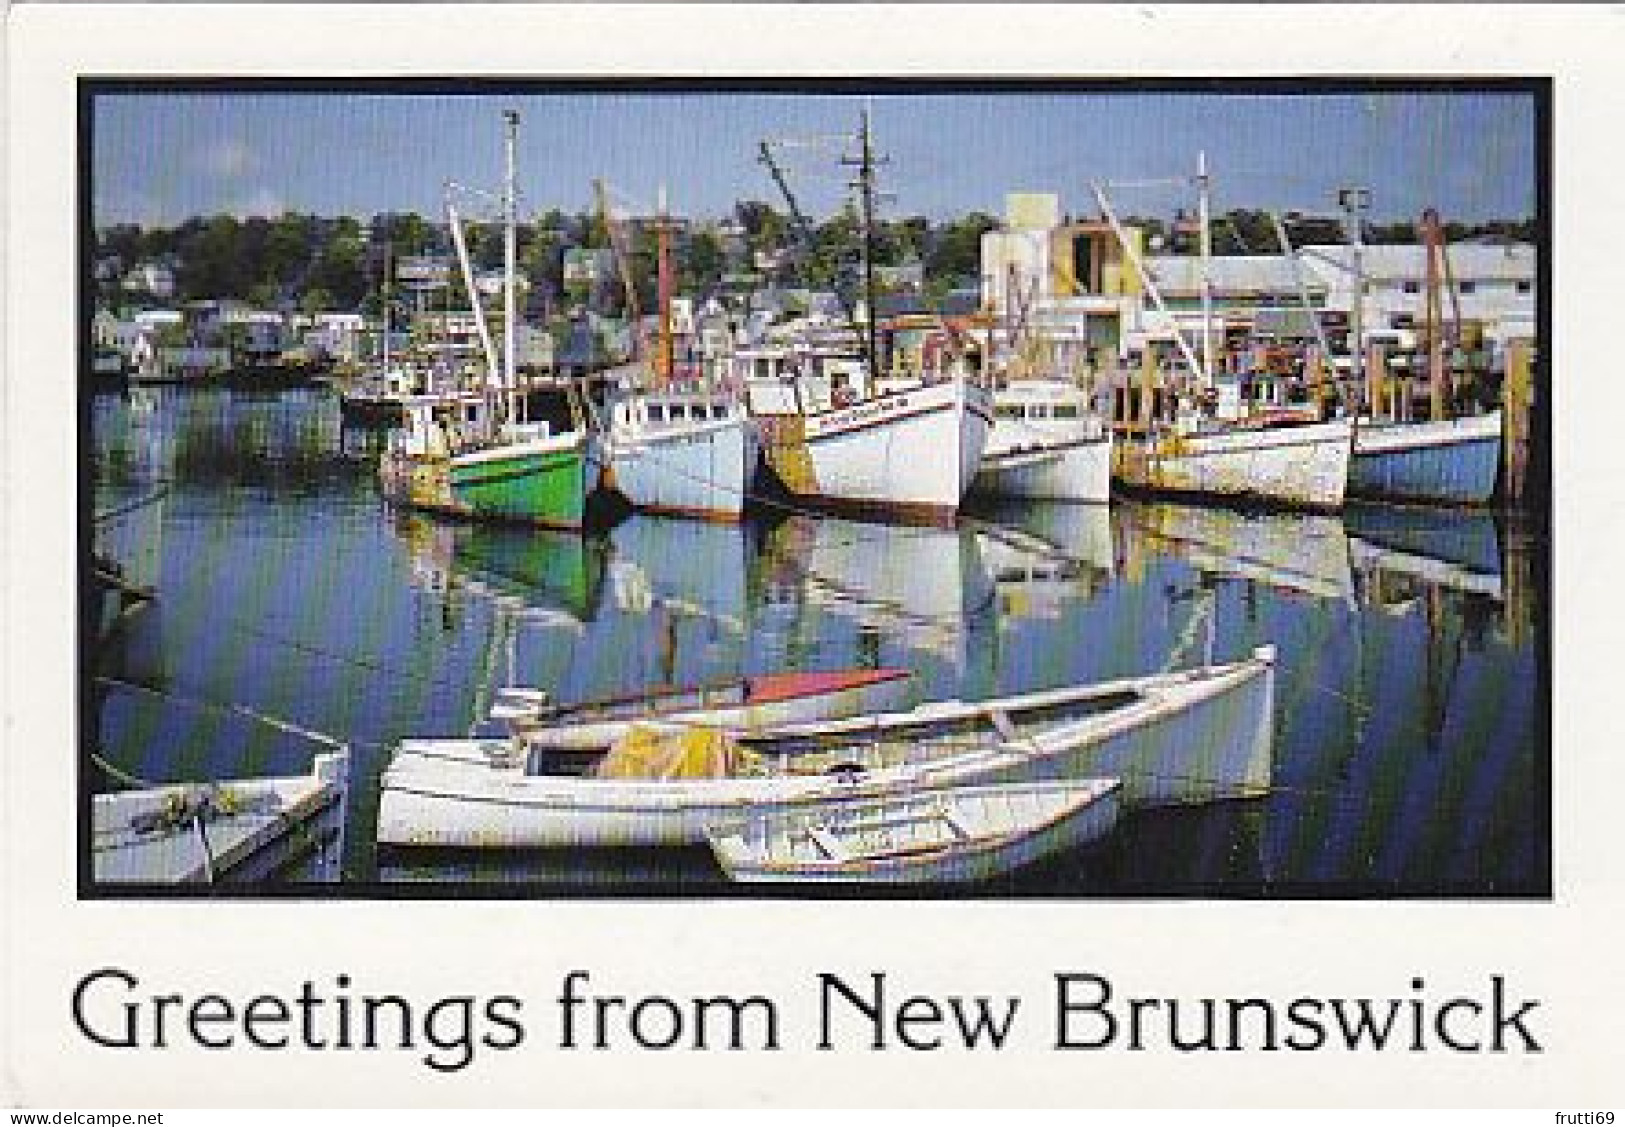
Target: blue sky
(161, 157)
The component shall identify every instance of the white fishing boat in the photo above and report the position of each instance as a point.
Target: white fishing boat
(1217, 446)
(909, 451)
(686, 451)
(1192, 736)
(682, 453)
(839, 436)
(962, 835)
(1303, 465)
(205, 833)
(752, 703)
(1047, 442)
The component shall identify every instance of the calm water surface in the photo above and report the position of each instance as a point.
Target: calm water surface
(1411, 749)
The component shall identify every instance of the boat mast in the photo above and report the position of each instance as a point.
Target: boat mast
(467, 268)
(1146, 280)
(663, 362)
(1206, 246)
(510, 255)
(866, 188)
(388, 270)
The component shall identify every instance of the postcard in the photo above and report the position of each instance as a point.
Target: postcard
(789, 555)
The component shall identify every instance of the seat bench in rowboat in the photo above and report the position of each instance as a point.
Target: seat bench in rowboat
(958, 835)
(1190, 736)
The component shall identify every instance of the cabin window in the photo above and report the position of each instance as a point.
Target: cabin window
(470, 413)
(1468, 287)
(1009, 411)
(1525, 286)
(719, 410)
(1413, 287)
(1066, 411)
(657, 413)
(1038, 411)
(764, 368)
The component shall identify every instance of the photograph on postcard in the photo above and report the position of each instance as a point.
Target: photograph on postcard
(1012, 488)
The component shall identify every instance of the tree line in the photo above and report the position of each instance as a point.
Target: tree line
(312, 263)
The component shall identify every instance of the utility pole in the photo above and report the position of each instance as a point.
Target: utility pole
(1206, 247)
(510, 266)
(1355, 201)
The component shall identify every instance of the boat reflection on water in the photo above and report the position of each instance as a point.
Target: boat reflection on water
(1044, 555)
(1301, 553)
(870, 595)
(1456, 549)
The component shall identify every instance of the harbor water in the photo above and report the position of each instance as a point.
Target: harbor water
(1411, 751)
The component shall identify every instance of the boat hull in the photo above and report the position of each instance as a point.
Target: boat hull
(280, 821)
(931, 838)
(1303, 466)
(1451, 461)
(544, 482)
(703, 471)
(1075, 470)
(909, 453)
(1188, 738)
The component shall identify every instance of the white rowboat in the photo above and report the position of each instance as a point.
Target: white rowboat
(938, 837)
(204, 833)
(1191, 736)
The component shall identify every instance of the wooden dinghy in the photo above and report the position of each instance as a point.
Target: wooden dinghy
(1191, 736)
(954, 836)
(206, 833)
(754, 703)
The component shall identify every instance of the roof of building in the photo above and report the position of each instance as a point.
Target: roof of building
(1477, 261)
(1239, 273)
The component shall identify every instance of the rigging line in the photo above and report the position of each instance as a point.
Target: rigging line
(354, 662)
(240, 710)
(142, 502)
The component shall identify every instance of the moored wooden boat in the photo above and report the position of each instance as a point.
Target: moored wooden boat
(753, 703)
(961, 835)
(909, 452)
(1447, 461)
(682, 453)
(1047, 442)
(1302, 465)
(1191, 736)
(204, 833)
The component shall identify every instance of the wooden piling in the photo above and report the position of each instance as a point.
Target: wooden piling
(1148, 388)
(1517, 404)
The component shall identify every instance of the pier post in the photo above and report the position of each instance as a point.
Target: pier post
(1517, 402)
(1376, 379)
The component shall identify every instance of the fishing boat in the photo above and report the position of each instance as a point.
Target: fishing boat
(1183, 737)
(838, 436)
(1443, 461)
(1216, 446)
(963, 835)
(1301, 465)
(215, 832)
(751, 703)
(1047, 443)
(483, 460)
(682, 451)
